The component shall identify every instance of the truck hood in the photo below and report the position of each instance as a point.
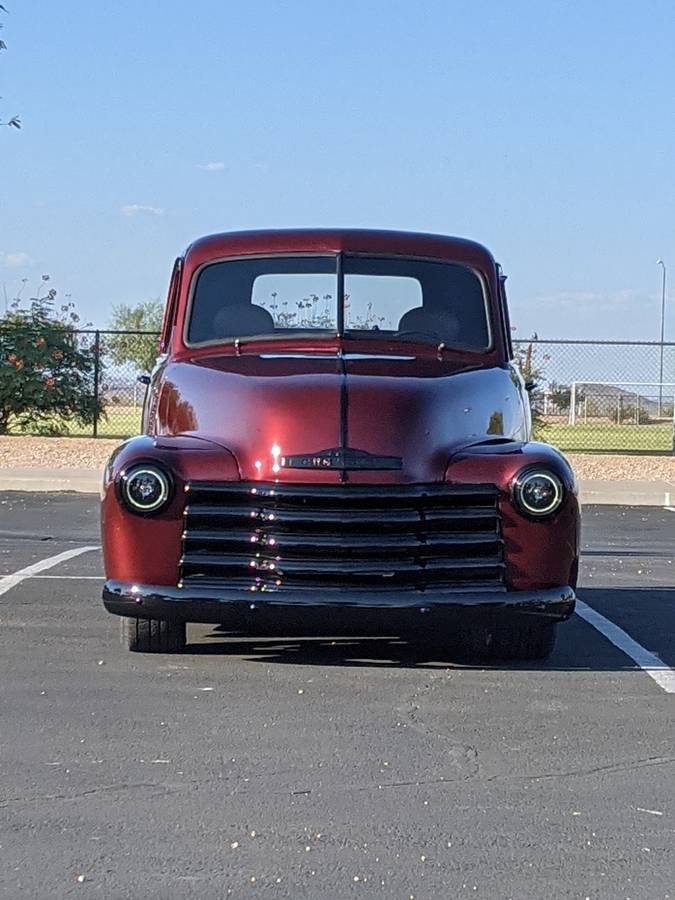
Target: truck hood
(279, 414)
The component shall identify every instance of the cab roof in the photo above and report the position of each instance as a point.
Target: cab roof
(337, 240)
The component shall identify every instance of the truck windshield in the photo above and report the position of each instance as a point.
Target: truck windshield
(394, 298)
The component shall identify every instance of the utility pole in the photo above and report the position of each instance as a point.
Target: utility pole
(660, 262)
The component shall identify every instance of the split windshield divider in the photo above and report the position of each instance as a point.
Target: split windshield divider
(340, 274)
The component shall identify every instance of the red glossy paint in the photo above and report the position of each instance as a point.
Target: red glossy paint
(225, 413)
(420, 410)
(538, 554)
(147, 550)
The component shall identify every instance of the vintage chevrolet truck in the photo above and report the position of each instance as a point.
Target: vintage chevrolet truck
(336, 432)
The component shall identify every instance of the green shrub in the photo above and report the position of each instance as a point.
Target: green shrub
(47, 371)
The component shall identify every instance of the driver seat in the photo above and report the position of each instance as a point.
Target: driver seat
(440, 323)
(242, 319)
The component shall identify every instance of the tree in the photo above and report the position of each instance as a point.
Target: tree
(47, 370)
(561, 395)
(15, 121)
(138, 349)
(530, 367)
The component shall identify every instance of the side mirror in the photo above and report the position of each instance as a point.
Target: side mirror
(143, 379)
(530, 385)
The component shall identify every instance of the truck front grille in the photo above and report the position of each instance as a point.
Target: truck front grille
(275, 537)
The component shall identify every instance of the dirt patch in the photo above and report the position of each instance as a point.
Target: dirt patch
(623, 468)
(90, 453)
(54, 453)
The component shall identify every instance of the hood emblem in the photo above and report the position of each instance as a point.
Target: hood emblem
(341, 458)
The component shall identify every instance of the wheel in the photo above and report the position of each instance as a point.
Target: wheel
(514, 640)
(152, 635)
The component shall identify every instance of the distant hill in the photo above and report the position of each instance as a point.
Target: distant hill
(606, 397)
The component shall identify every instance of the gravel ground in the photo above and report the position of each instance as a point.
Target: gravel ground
(623, 468)
(73, 453)
(54, 453)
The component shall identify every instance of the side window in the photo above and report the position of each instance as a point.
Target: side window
(171, 306)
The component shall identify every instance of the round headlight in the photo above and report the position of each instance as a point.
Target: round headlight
(538, 493)
(145, 488)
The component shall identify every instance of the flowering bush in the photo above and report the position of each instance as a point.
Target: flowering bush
(47, 372)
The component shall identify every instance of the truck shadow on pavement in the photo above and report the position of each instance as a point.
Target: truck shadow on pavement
(646, 615)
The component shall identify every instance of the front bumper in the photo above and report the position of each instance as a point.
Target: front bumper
(241, 609)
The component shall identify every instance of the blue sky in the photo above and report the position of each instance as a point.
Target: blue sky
(544, 129)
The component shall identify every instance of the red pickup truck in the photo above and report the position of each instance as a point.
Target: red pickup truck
(335, 431)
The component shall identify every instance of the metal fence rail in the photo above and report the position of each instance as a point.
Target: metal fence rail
(598, 396)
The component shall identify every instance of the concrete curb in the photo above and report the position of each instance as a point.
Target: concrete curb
(626, 493)
(88, 481)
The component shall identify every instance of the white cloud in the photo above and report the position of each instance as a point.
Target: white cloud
(212, 167)
(15, 260)
(136, 209)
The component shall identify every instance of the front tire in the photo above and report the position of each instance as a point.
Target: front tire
(519, 640)
(152, 635)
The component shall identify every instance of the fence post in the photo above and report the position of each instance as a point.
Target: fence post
(573, 404)
(97, 378)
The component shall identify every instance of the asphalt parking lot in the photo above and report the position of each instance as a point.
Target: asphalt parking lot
(332, 767)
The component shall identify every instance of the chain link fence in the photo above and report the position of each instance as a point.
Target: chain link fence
(601, 396)
(124, 357)
(597, 396)
(102, 369)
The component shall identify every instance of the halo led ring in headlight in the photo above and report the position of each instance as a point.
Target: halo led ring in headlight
(145, 488)
(538, 492)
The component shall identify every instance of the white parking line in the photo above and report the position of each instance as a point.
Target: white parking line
(662, 674)
(7, 582)
(67, 577)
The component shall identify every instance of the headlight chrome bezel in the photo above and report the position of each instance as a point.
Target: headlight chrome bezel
(521, 481)
(146, 468)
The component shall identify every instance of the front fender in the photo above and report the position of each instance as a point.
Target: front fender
(147, 548)
(538, 553)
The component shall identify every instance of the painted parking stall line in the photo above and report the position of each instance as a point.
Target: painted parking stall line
(68, 578)
(650, 663)
(7, 582)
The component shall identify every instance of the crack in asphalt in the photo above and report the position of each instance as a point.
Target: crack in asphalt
(423, 782)
(470, 752)
(628, 766)
(5, 801)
